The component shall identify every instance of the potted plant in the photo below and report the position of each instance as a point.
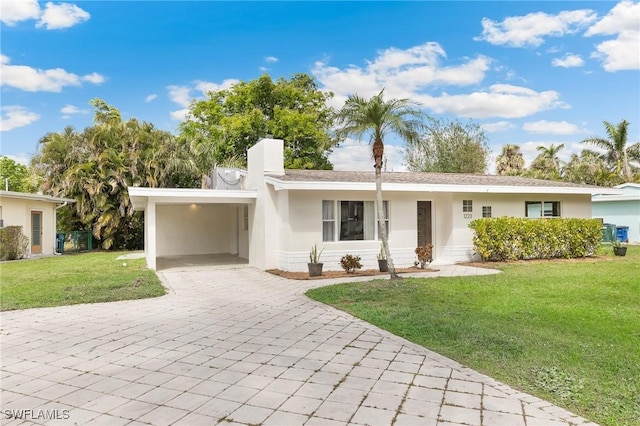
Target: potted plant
(350, 263)
(424, 254)
(618, 248)
(383, 265)
(315, 267)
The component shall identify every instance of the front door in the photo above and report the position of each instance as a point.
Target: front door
(36, 232)
(424, 223)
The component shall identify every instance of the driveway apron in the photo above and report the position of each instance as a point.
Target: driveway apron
(239, 346)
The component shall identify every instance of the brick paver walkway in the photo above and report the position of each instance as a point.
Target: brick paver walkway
(240, 346)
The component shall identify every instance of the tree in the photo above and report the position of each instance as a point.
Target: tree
(551, 153)
(378, 118)
(511, 161)
(228, 122)
(97, 166)
(14, 176)
(618, 155)
(590, 169)
(449, 147)
(546, 165)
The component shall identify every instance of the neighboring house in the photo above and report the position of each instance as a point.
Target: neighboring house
(620, 210)
(37, 216)
(274, 216)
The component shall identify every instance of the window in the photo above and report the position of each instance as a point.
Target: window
(351, 220)
(385, 208)
(467, 206)
(245, 217)
(328, 221)
(535, 209)
(486, 211)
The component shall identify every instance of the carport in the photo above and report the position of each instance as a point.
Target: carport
(194, 226)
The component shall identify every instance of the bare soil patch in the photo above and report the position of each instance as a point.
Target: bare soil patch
(343, 274)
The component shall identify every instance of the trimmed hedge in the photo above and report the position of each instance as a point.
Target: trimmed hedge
(510, 238)
(13, 243)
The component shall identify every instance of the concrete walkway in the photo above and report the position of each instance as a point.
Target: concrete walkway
(240, 346)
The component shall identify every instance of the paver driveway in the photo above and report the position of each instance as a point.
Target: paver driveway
(244, 347)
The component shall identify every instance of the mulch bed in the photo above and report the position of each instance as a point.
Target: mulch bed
(342, 274)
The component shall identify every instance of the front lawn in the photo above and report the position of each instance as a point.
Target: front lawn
(566, 331)
(75, 278)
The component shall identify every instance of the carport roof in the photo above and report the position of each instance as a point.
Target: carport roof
(141, 196)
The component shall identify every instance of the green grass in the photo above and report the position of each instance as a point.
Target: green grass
(75, 278)
(566, 331)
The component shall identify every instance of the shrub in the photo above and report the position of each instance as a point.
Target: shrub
(508, 238)
(350, 263)
(13, 243)
(425, 254)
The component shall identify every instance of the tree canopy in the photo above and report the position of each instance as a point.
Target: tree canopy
(449, 147)
(14, 175)
(96, 166)
(617, 154)
(223, 126)
(615, 163)
(510, 161)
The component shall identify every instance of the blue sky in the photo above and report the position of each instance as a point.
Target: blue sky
(531, 73)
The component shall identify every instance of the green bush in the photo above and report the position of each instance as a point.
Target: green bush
(509, 238)
(13, 243)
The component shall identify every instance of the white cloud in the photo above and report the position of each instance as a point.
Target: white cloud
(497, 126)
(14, 11)
(412, 73)
(207, 86)
(623, 52)
(20, 159)
(568, 61)
(403, 73)
(16, 116)
(151, 97)
(53, 17)
(179, 95)
(72, 109)
(38, 80)
(63, 15)
(623, 17)
(94, 78)
(551, 127)
(271, 59)
(352, 155)
(531, 29)
(501, 100)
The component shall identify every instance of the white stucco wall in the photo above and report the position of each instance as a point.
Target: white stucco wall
(196, 229)
(452, 237)
(265, 223)
(304, 229)
(17, 212)
(243, 234)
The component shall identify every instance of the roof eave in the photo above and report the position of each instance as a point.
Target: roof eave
(423, 187)
(140, 197)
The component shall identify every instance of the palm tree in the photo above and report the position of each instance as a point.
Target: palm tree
(378, 118)
(617, 154)
(511, 161)
(551, 153)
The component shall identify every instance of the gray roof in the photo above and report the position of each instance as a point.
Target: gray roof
(422, 178)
